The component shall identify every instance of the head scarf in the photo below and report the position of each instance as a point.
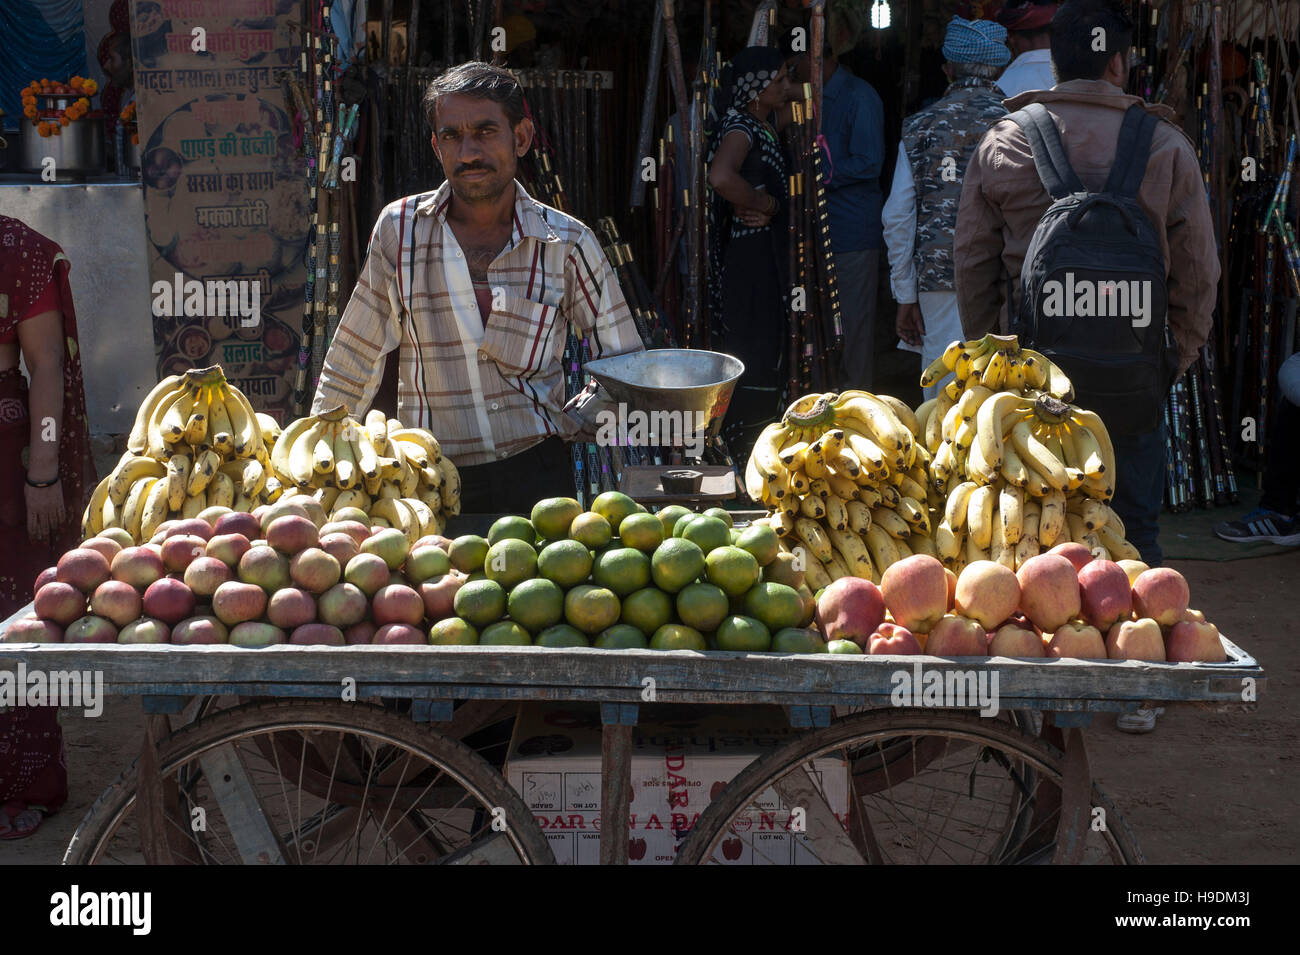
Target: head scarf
(1020, 16)
(750, 71)
(976, 41)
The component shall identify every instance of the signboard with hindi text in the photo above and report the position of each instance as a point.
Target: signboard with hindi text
(226, 196)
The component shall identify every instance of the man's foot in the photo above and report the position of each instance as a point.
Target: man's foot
(1139, 721)
(17, 821)
(1263, 526)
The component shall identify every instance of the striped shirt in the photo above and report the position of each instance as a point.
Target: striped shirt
(486, 391)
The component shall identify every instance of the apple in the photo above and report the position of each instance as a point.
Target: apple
(1139, 639)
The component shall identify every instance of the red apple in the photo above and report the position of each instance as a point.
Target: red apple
(849, 609)
(1076, 640)
(1049, 590)
(891, 638)
(916, 592)
(1105, 594)
(955, 636)
(1161, 594)
(1013, 640)
(1194, 641)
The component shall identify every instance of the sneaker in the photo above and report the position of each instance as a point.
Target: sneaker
(1261, 525)
(1139, 721)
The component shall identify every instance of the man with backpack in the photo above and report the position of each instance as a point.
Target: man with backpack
(1120, 284)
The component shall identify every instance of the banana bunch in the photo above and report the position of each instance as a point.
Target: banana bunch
(846, 479)
(854, 438)
(1013, 470)
(397, 475)
(196, 443)
(998, 363)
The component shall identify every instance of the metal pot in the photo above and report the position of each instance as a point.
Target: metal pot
(77, 150)
(130, 150)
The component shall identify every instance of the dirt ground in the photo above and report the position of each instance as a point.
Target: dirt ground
(1204, 788)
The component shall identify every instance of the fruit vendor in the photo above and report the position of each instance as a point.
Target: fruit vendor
(476, 285)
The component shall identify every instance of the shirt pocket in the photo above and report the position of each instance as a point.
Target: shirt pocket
(521, 333)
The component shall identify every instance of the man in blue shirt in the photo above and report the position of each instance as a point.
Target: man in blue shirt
(853, 123)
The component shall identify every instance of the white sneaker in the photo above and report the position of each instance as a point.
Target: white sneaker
(1139, 721)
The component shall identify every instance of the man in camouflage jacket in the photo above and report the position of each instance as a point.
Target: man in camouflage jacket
(920, 217)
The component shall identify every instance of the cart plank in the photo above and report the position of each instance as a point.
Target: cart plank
(540, 673)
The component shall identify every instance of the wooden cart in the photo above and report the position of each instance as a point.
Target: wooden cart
(393, 754)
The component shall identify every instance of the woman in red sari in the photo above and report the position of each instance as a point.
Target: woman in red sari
(46, 472)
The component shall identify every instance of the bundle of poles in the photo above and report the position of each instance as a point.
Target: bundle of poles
(1218, 414)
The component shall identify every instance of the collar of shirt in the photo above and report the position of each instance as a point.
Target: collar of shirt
(529, 222)
(835, 85)
(1033, 56)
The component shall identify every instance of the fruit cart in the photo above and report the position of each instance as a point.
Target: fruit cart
(387, 754)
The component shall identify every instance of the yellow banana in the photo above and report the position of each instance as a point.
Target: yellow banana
(421, 438)
(1011, 503)
(300, 457)
(1091, 458)
(178, 476)
(979, 516)
(280, 452)
(990, 426)
(322, 457)
(947, 542)
(880, 545)
(814, 538)
(246, 429)
(269, 427)
(376, 424)
(450, 487)
(137, 440)
(201, 474)
(954, 512)
(133, 506)
(128, 472)
(221, 432)
(889, 521)
(852, 552)
(1116, 545)
(177, 415)
(196, 428)
(92, 518)
(154, 508)
(1036, 455)
(904, 414)
(1051, 520)
(1028, 545)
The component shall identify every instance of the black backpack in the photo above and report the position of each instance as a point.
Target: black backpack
(1092, 288)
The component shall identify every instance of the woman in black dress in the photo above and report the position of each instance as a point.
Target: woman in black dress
(748, 258)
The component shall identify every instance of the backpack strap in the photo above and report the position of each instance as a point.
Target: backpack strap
(1050, 160)
(1132, 151)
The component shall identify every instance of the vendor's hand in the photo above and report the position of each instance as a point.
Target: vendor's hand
(45, 512)
(909, 324)
(752, 218)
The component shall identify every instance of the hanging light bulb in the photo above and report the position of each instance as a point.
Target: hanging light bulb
(880, 15)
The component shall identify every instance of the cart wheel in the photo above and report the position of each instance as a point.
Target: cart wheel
(396, 792)
(925, 786)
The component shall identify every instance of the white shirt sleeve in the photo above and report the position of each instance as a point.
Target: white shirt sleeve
(899, 219)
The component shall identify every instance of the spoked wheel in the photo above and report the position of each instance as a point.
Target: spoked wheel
(314, 783)
(923, 787)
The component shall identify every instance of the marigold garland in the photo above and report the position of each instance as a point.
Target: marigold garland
(52, 122)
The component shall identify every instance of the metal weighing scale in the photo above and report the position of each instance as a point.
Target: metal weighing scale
(692, 386)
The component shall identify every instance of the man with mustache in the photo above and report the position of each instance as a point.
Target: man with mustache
(476, 285)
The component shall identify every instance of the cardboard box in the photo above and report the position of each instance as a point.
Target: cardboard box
(682, 757)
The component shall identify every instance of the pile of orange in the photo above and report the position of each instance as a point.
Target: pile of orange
(51, 123)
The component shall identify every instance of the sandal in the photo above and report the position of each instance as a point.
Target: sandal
(12, 812)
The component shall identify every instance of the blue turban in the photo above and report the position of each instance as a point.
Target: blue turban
(976, 41)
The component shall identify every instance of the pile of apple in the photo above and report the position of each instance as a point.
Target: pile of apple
(280, 574)
(1064, 603)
